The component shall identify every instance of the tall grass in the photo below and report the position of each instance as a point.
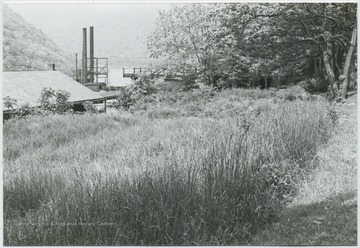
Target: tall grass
(115, 180)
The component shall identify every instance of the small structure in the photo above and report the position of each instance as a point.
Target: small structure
(26, 87)
(133, 73)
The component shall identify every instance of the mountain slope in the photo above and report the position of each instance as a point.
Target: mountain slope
(26, 45)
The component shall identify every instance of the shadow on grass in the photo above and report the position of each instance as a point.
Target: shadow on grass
(331, 222)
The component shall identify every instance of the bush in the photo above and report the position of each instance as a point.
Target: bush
(143, 86)
(90, 107)
(316, 85)
(9, 103)
(52, 102)
(55, 101)
(15, 111)
(190, 82)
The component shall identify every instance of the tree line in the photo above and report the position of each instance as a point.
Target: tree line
(220, 43)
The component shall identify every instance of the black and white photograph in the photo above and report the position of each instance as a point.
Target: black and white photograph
(179, 123)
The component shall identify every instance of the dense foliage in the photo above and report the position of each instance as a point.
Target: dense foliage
(27, 47)
(234, 41)
(51, 102)
(139, 91)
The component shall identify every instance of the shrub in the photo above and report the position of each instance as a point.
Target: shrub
(189, 82)
(90, 107)
(143, 86)
(125, 99)
(15, 111)
(9, 103)
(51, 102)
(55, 101)
(316, 85)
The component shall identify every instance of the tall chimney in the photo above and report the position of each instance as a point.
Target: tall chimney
(91, 54)
(84, 61)
(76, 68)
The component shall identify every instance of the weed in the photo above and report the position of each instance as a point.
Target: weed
(132, 180)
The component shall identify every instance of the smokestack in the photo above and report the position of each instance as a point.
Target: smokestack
(91, 54)
(76, 68)
(84, 61)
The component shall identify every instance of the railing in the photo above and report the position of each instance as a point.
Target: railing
(100, 66)
(133, 72)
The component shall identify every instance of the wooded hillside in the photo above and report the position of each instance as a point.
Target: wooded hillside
(27, 47)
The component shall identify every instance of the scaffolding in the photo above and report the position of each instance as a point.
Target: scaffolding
(101, 71)
(100, 74)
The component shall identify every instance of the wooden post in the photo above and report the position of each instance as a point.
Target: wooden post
(105, 106)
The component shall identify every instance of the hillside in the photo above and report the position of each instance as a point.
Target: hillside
(121, 30)
(26, 45)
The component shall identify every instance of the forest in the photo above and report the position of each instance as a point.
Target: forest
(234, 43)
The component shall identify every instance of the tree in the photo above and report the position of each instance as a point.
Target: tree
(283, 37)
(272, 39)
(183, 36)
(349, 62)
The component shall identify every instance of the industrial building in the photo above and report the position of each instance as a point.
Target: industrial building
(26, 87)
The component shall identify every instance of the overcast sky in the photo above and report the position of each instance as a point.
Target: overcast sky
(61, 21)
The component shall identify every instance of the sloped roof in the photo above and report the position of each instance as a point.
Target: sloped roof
(26, 86)
(110, 93)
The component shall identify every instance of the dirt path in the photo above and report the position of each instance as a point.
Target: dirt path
(325, 210)
(348, 109)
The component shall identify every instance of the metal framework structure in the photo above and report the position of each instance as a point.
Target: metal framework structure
(133, 73)
(101, 71)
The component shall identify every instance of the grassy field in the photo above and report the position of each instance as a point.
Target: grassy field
(169, 174)
(324, 212)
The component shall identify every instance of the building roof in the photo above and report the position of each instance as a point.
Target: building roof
(110, 93)
(26, 86)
